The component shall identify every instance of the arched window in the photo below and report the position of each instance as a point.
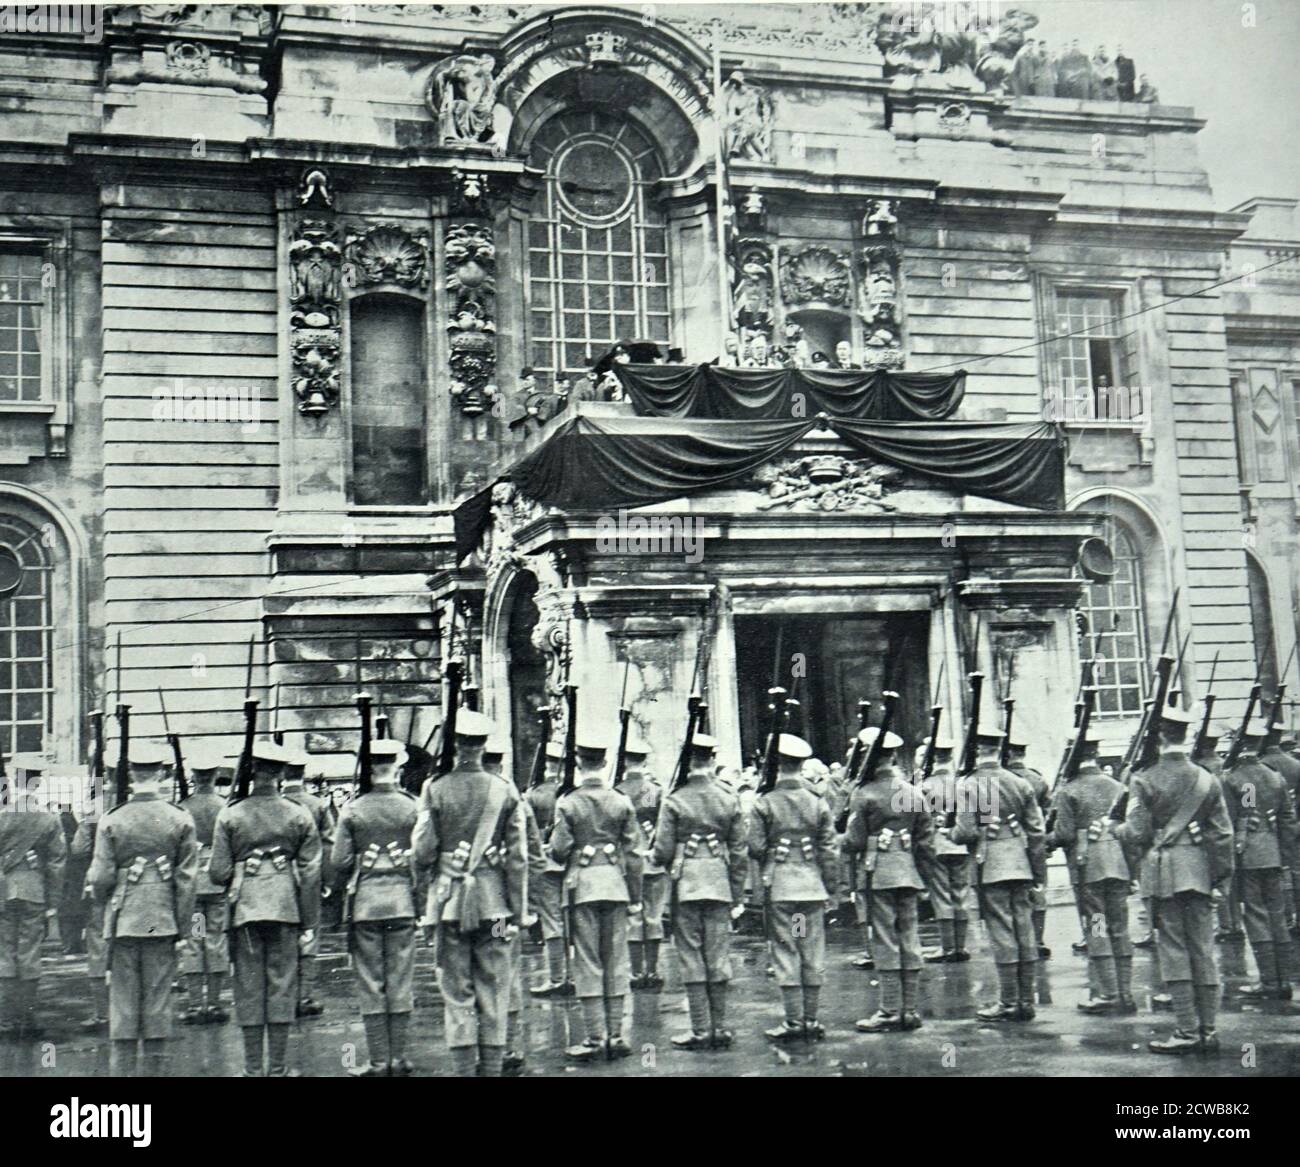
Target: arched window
(1261, 621)
(26, 635)
(389, 455)
(1117, 629)
(597, 244)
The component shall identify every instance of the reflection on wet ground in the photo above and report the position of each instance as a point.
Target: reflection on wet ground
(1258, 1040)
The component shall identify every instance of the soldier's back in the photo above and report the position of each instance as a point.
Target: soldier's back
(705, 806)
(203, 806)
(263, 822)
(1091, 796)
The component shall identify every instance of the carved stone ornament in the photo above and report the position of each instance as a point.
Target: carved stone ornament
(315, 260)
(878, 298)
(753, 294)
(954, 115)
(314, 190)
(387, 254)
(826, 482)
(462, 95)
(746, 119)
(550, 636)
(606, 48)
(470, 268)
(469, 193)
(315, 353)
(816, 274)
(188, 56)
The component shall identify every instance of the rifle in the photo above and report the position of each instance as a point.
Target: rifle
(447, 750)
(569, 780)
(96, 751)
(855, 757)
(777, 710)
(122, 775)
(537, 775)
(178, 760)
(1145, 744)
(244, 767)
(364, 768)
(888, 699)
(1239, 742)
(381, 723)
(1004, 754)
(927, 765)
(967, 761)
(277, 734)
(1203, 734)
(1273, 721)
(624, 722)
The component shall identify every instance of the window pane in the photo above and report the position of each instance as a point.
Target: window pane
(26, 639)
(388, 399)
(1117, 625)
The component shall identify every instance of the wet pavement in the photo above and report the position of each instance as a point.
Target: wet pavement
(1258, 1040)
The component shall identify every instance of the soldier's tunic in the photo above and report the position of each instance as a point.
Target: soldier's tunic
(701, 838)
(83, 847)
(143, 870)
(598, 840)
(548, 897)
(266, 852)
(1263, 820)
(371, 858)
(997, 812)
(1042, 796)
(947, 871)
(647, 796)
(206, 947)
(1084, 829)
(1177, 811)
(1275, 758)
(793, 838)
(323, 817)
(890, 826)
(469, 831)
(33, 857)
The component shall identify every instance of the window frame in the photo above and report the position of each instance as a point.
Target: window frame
(1108, 674)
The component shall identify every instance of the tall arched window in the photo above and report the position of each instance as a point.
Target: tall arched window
(1117, 628)
(1261, 620)
(597, 244)
(388, 396)
(26, 635)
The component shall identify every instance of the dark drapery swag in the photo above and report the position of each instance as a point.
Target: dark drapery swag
(601, 463)
(707, 391)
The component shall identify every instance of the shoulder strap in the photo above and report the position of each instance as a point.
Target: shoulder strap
(487, 823)
(1187, 809)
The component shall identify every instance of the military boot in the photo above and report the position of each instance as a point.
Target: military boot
(1181, 1041)
(881, 1021)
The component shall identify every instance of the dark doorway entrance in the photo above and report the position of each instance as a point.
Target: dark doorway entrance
(527, 671)
(846, 659)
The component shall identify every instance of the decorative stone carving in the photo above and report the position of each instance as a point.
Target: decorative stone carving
(751, 215)
(387, 254)
(462, 95)
(815, 274)
(470, 268)
(753, 293)
(314, 190)
(878, 287)
(826, 482)
(747, 120)
(315, 354)
(314, 266)
(469, 193)
(954, 115)
(188, 56)
(550, 635)
(606, 48)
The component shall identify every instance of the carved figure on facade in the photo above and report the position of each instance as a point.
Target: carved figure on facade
(826, 482)
(315, 260)
(815, 274)
(315, 354)
(462, 94)
(469, 193)
(387, 254)
(747, 120)
(753, 293)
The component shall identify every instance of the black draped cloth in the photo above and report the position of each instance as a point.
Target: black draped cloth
(603, 463)
(707, 391)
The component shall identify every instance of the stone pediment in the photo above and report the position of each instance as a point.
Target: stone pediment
(825, 482)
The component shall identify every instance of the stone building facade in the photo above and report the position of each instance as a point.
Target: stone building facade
(277, 272)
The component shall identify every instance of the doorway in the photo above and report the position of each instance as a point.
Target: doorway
(527, 673)
(845, 659)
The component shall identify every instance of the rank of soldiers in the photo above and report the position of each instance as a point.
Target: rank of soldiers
(598, 855)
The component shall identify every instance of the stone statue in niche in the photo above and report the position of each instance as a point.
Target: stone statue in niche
(463, 95)
(752, 294)
(747, 120)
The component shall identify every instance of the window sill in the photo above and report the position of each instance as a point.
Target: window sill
(27, 407)
(1126, 427)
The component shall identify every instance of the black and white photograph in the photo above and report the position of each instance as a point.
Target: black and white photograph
(657, 541)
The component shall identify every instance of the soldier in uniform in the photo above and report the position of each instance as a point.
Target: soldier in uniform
(1176, 810)
(598, 839)
(1276, 757)
(702, 840)
(1016, 763)
(793, 839)
(512, 1063)
(294, 788)
(890, 826)
(371, 859)
(997, 812)
(143, 870)
(33, 855)
(205, 951)
(266, 852)
(549, 893)
(1263, 822)
(947, 871)
(645, 928)
(1084, 828)
(83, 847)
(1227, 910)
(469, 830)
